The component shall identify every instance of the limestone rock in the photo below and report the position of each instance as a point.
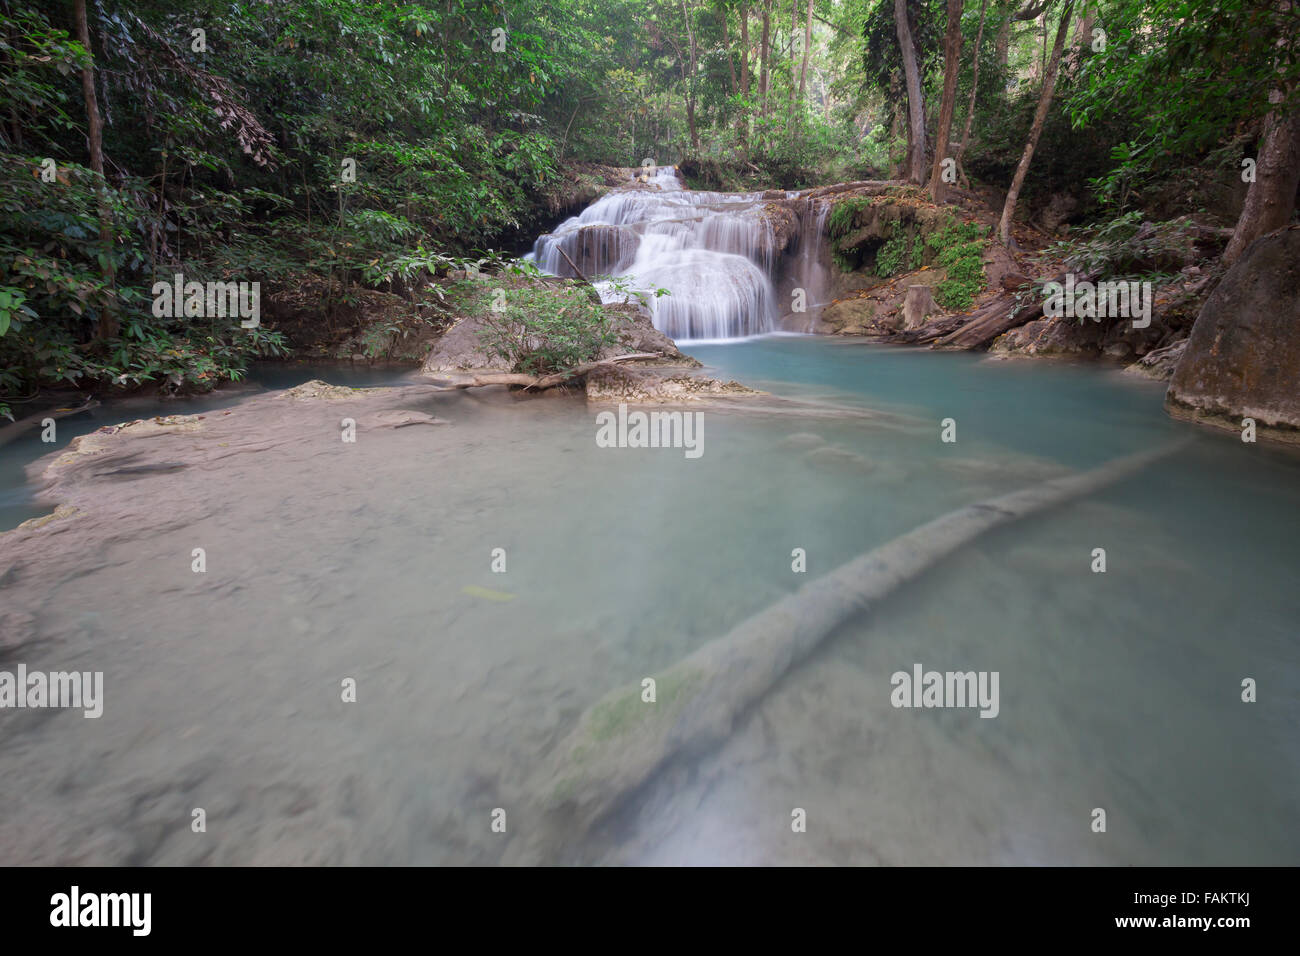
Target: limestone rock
(1159, 363)
(640, 384)
(1243, 357)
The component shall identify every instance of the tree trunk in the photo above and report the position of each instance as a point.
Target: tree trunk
(1036, 130)
(764, 49)
(1002, 45)
(744, 76)
(690, 81)
(95, 137)
(898, 127)
(726, 45)
(951, 67)
(915, 105)
(1082, 41)
(807, 48)
(1271, 197)
(794, 57)
(974, 86)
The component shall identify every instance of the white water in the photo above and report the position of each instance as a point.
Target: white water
(714, 252)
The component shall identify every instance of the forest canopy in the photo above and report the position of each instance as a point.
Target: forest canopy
(357, 144)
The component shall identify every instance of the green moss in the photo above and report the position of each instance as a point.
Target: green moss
(892, 257)
(616, 717)
(844, 216)
(960, 250)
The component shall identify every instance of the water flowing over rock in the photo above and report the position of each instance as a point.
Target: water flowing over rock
(718, 254)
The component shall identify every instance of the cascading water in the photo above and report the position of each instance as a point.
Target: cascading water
(811, 273)
(714, 252)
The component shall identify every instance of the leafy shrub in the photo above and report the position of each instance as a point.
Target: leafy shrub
(1127, 247)
(540, 329)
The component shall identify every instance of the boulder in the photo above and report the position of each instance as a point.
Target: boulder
(636, 333)
(1243, 357)
(1050, 336)
(878, 311)
(461, 350)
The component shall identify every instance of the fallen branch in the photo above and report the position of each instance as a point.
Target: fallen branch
(573, 265)
(923, 335)
(988, 324)
(17, 428)
(481, 379)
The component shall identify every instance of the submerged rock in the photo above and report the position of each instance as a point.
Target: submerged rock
(656, 385)
(1243, 357)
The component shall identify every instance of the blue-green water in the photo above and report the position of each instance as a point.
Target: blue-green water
(1119, 691)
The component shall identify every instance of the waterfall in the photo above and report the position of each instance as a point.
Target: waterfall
(811, 273)
(714, 252)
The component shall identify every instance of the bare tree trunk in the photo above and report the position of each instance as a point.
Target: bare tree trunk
(915, 105)
(95, 137)
(690, 82)
(1036, 130)
(1082, 39)
(807, 48)
(1271, 198)
(1002, 45)
(744, 75)
(726, 45)
(794, 30)
(764, 77)
(898, 127)
(951, 67)
(974, 86)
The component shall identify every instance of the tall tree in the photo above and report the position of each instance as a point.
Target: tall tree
(915, 104)
(95, 140)
(807, 48)
(1036, 129)
(726, 45)
(688, 14)
(974, 86)
(951, 67)
(744, 74)
(765, 76)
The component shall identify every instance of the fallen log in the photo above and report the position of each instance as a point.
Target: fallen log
(988, 325)
(930, 331)
(620, 742)
(947, 324)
